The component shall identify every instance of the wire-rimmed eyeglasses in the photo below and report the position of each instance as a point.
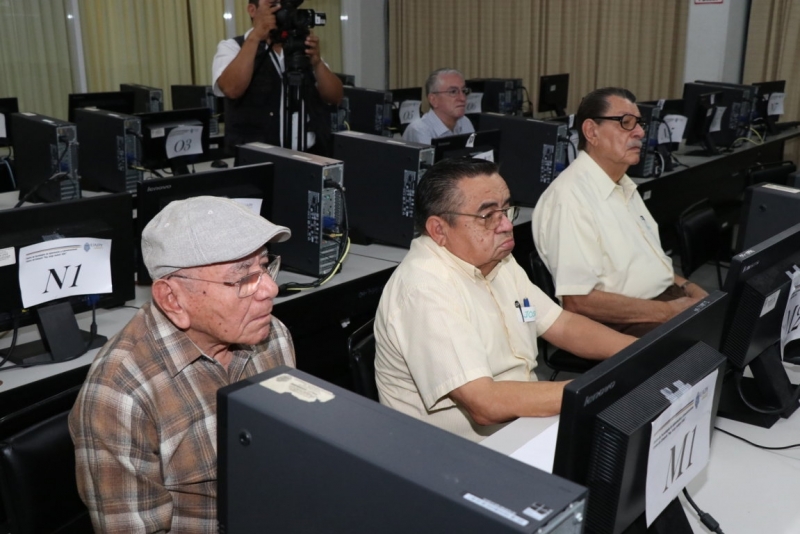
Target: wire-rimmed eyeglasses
(627, 121)
(454, 91)
(493, 218)
(248, 284)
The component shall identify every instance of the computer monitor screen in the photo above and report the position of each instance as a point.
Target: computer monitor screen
(7, 107)
(251, 184)
(477, 144)
(769, 105)
(170, 139)
(759, 287)
(705, 120)
(589, 395)
(553, 93)
(118, 101)
(102, 217)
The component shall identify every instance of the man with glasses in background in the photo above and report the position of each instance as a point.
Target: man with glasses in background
(447, 96)
(145, 422)
(594, 232)
(457, 322)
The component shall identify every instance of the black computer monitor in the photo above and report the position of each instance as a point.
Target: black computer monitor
(398, 97)
(702, 116)
(7, 107)
(101, 217)
(370, 110)
(156, 128)
(467, 145)
(245, 182)
(199, 96)
(767, 210)
(118, 101)
(763, 111)
(684, 348)
(553, 93)
(759, 287)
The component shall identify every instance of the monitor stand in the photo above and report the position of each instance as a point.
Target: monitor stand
(709, 147)
(61, 339)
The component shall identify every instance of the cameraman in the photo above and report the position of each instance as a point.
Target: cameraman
(248, 71)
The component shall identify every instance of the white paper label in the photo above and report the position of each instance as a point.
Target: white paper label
(254, 204)
(647, 195)
(680, 441)
(409, 111)
(297, 388)
(184, 141)
(790, 329)
(488, 155)
(769, 303)
(3, 126)
(474, 102)
(716, 122)
(496, 508)
(677, 125)
(157, 132)
(7, 256)
(775, 103)
(64, 267)
(470, 141)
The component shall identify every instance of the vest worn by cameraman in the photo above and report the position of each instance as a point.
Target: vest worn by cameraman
(255, 116)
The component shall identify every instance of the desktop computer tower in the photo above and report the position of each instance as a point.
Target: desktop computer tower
(370, 110)
(500, 95)
(647, 159)
(198, 96)
(361, 467)
(147, 99)
(532, 153)
(733, 100)
(44, 147)
(108, 147)
(382, 178)
(308, 199)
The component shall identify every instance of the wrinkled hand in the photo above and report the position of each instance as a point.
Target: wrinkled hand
(678, 305)
(312, 49)
(694, 291)
(264, 20)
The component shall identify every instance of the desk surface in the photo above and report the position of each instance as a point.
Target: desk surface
(746, 489)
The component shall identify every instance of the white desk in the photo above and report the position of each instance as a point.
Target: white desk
(746, 489)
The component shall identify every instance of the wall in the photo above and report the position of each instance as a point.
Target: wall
(364, 50)
(715, 41)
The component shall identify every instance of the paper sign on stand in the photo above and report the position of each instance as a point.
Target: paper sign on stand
(409, 111)
(253, 204)
(184, 141)
(676, 125)
(473, 103)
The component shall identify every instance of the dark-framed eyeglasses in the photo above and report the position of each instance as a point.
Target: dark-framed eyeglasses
(247, 285)
(454, 91)
(627, 121)
(493, 218)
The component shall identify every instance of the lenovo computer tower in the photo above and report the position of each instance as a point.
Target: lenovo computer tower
(532, 153)
(648, 157)
(147, 99)
(46, 158)
(108, 150)
(308, 198)
(370, 110)
(382, 178)
(500, 95)
(199, 96)
(299, 454)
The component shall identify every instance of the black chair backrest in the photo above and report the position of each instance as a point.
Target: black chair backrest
(699, 236)
(37, 480)
(361, 353)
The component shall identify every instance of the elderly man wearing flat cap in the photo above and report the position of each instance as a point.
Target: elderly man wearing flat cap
(145, 422)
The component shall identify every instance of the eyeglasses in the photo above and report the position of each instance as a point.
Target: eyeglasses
(492, 219)
(248, 284)
(627, 121)
(454, 91)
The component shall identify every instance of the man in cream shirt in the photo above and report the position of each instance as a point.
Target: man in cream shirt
(595, 234)
(457, 323)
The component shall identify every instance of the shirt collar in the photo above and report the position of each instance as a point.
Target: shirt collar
(468, 269)
(605, 185)
(439, 128)
(181, 351)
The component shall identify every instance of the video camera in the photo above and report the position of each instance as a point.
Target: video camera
(292, 30)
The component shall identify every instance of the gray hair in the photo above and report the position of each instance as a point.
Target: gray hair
(431, 84)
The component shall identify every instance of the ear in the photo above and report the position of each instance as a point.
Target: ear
(437, 228)
(589, 128)
(167, 299)
(251, 10)
(431, 98)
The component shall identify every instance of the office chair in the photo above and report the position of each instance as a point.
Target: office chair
(774, 173)
(700, 238)
(361, 356)
(37, 480)
(558, 360)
